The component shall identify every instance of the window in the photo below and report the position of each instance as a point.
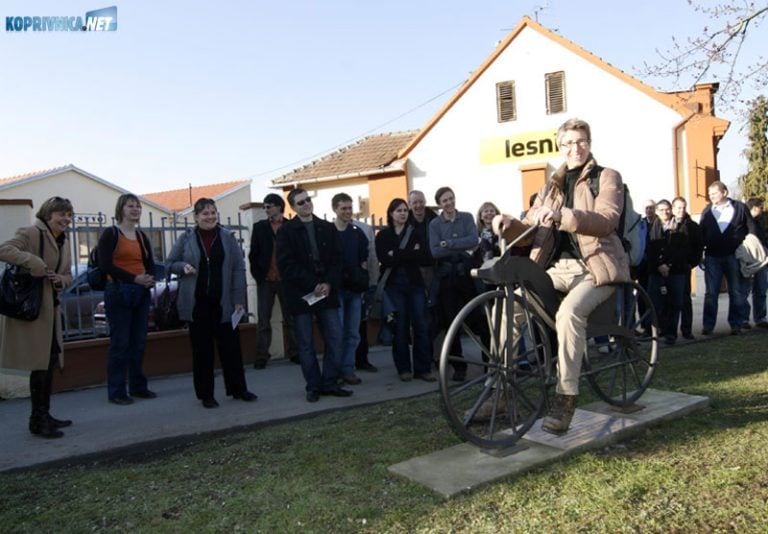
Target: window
(505, 101)
(555, 87)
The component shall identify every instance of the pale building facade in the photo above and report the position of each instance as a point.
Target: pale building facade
(495, 139)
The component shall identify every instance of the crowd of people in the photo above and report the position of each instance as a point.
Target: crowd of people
(720, 245)
(417, 269)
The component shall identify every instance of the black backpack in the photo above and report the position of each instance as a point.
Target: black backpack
(96, 279)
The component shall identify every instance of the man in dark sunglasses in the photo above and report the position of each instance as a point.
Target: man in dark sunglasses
(308, 249)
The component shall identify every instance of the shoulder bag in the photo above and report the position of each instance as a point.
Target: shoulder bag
(375, 311)
(166, 310)
(21, 294)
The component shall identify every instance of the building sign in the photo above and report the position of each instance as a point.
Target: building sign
(90, 218)
(524, 146)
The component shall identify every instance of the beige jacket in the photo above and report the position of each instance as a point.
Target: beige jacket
(752, 256)
(26, 345)
(592, 220)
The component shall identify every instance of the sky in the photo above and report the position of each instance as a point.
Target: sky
(205, 92)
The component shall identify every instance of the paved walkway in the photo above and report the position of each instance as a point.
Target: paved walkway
(100, 426)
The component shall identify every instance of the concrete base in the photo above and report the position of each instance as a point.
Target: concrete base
(464, 467)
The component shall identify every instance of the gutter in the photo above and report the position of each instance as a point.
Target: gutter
(676, 149)
(400, 166)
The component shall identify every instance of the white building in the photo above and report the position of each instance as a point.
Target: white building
(494, 140)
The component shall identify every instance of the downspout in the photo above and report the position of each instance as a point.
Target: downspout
(676, 149)
(679, 125)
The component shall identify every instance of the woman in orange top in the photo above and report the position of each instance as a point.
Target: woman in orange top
(125, 256)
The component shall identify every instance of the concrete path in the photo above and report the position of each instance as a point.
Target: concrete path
(100, 426)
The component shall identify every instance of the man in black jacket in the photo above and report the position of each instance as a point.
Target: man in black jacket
(724, 225)
(263, 260)
(759, 282)
(684, 223)
(308, 252)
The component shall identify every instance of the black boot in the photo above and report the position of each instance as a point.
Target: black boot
(39, 424)
(46, 398)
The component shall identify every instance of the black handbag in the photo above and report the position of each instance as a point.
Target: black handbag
(21, 294)
(166, 310)
(355, 279)
(375, 311)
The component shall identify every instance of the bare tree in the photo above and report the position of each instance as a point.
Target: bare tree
(726, 50)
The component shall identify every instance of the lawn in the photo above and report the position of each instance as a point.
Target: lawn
(707, 472)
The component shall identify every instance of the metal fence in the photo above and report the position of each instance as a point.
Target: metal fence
(79, 301)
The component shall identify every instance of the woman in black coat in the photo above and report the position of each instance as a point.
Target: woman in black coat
(401, 252)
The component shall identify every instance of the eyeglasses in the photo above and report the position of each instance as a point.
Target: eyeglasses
(582, 143)
(303, 201)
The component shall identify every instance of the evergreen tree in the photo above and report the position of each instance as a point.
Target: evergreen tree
(755, 182)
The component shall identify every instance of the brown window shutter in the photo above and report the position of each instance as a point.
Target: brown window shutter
(505, 101)
(555, 86)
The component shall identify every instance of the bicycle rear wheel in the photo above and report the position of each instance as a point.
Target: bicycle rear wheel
(619, 365)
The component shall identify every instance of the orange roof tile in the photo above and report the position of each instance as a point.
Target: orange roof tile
(182, 199)
(20, 177)
(371, 153)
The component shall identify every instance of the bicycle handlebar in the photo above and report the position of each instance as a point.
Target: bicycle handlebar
(503, 246)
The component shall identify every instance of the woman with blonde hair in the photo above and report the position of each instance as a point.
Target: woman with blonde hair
(488, 244)
(37, 346)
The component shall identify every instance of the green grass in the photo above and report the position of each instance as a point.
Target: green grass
(707, 472)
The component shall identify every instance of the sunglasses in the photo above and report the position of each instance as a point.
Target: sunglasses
(303, 201)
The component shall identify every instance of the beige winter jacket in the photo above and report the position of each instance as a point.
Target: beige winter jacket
(592, 220)
(26, 345)
(752, 256)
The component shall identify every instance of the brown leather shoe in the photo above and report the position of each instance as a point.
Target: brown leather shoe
(426, 377)
(485, 411)
(560, 414)
(352, 379)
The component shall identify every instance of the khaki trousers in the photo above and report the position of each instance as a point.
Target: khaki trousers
(572, 277)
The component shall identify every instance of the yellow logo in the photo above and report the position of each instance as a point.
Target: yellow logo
(531, 145)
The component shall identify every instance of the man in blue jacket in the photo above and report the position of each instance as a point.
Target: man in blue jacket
(452, 239)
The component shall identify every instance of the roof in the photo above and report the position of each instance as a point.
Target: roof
(13, 181)
(675, 100)
(180, 200)
(33, 175)
(371, 155)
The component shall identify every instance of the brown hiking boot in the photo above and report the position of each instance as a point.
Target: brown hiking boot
(560, 414)
(484, 412)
